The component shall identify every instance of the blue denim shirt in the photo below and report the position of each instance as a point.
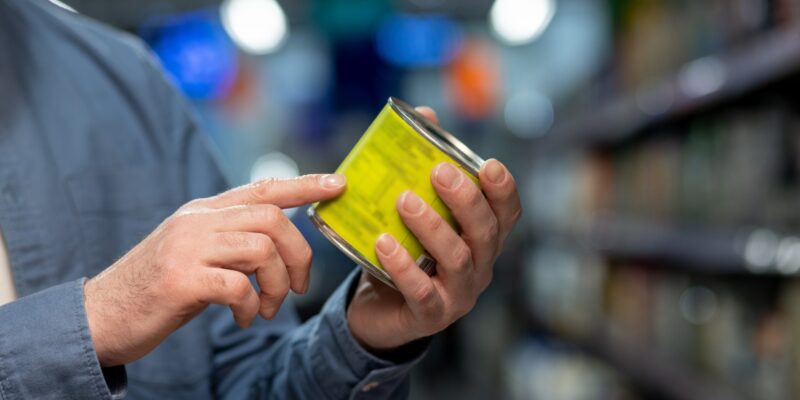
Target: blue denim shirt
(96, 148)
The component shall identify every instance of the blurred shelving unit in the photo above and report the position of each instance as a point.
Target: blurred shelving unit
(747, 251)
(623, 129)
(643, 367)
(763, 61)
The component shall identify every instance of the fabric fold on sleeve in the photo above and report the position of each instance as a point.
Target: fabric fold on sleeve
(46, 349)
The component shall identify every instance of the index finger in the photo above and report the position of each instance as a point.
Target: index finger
(284, 193)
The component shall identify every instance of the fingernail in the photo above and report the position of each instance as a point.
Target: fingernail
(495, 171)
(447, 175)
(412, 203)
(386, 244)
(333, 181)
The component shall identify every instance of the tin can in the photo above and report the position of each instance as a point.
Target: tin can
(396, 153)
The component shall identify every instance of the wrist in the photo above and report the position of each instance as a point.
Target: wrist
(374, 333)
(376, 341)
(96, 330)
(397, 348)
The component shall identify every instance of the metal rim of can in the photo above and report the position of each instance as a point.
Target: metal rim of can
(443, 140)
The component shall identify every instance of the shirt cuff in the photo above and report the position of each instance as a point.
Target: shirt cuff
(376, 377)
(46, 349)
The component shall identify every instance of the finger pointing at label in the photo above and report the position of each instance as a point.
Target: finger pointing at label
(284, 193)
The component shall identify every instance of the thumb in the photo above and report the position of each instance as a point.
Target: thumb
(284, 193)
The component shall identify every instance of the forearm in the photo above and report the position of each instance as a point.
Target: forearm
(46, 349)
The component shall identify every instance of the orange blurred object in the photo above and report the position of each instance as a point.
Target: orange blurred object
(473, 80)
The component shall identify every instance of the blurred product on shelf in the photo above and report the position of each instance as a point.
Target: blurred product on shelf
(720, 335)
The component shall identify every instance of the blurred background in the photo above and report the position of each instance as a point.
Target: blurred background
(655, 142)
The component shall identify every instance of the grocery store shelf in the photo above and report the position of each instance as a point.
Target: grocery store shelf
(699, 86)
(642, 366)
(756, 251)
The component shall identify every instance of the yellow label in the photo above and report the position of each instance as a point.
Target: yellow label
(390, 157)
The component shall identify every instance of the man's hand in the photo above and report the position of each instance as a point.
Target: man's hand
(381, 318)
(201, 255)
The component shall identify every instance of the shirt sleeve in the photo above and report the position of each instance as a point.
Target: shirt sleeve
(46, 350)
(319, 359)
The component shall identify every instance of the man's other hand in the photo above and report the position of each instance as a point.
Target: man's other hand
(381, 318)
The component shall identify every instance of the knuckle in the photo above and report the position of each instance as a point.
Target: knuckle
(490, 232)
(472, 197)
(271, 214)
(194, 203)
(275, 294)
(261, 189)
(462, 256)
(435, 222)
(180, 221)
(174, 222)
(215, 281)
(282, 285)
(185, 207)
(191, 205)
(266, 247)
(240, 289)
(424, 294)
(306, 255)
(235, 240)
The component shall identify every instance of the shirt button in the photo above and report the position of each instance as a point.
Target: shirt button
(369, 386)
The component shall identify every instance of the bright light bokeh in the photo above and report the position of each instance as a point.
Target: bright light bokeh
(529, 114)
(518, 22)
(256, 26)
(275, 165)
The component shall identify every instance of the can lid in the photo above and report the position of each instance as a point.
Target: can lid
(442, 139)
